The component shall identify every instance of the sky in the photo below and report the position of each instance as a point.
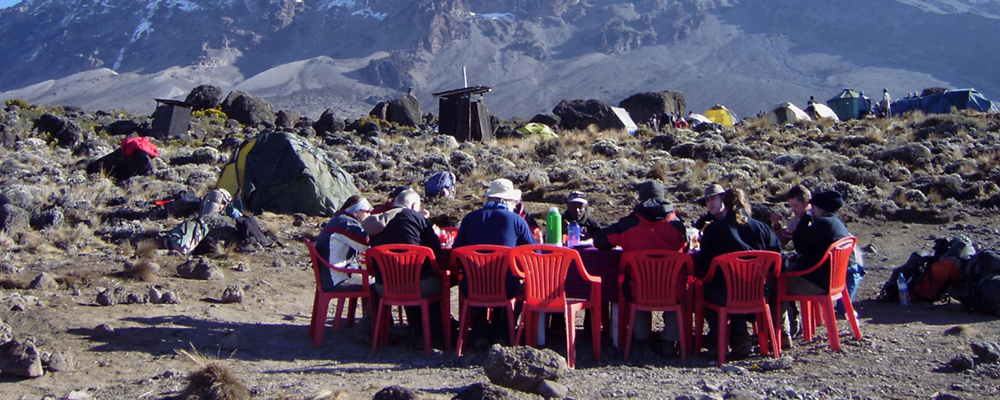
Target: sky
(8, 3)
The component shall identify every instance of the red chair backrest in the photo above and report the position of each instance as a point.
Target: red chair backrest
(745, 273)
(544, 268)
(399, 266)
(485, 268)
(657, 276)
(839, 254)
(314, 256)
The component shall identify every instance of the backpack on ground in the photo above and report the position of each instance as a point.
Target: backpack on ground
(215, 202)
(930, 275)
(439, 184)
(249, 231)
(185, 237)
(978, 287)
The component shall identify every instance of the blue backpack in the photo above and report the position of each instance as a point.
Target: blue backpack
(437, 183)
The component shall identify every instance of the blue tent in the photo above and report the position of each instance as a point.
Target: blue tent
(943, 102)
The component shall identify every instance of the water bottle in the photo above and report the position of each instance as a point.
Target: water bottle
(904, 291)
(553, 222)
(574, 234)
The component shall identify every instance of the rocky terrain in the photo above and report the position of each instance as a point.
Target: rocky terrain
(108, 315)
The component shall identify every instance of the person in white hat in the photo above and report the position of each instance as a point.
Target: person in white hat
(495, 223)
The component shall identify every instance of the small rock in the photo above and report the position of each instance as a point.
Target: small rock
(986, 351)
(103, 330)
(61, 362)
(232, 294)
(962, 362)
(107, 298)
(44, 281)
(552, 390)
(946, 396)
(741, 395)
(961, 330)
(155, 297)
(733, 369)
(241, 267)
(523, 368)
(6, 333)
(484, 391)
(870, 249)
(78, 395)
(395, 393)
(771, 364)
(134, 298)
(279, 263)
(171, 298)
(20, 359)
(200, 269)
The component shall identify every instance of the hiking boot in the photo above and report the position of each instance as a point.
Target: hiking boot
(786, 341)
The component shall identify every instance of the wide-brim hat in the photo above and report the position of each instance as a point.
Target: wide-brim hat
(711, 190)
(503, 189)
(829, 201)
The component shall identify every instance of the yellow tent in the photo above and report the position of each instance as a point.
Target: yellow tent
(722, 115)
(536, 128)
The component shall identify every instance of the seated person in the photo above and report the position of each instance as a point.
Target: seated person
(340, 242)
(798, 201)
(732, 231)
(652, 225)
(409, 226)
(812, 238)
(387, 205)
(494, 224)
(577, 211)
(713, 191)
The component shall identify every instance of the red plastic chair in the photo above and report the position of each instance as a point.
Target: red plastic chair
(399, 266)
(745, 273)
(544, 269)
(321, 300)
(838, 255)
(485, 268)
(659, 283)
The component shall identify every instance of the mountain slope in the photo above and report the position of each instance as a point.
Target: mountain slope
(348, 54)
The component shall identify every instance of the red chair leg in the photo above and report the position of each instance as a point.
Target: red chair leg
(446, 320)
(628, 333)
(463, 326)
(762, 341)
(570, 338)
(377, 335)
(850, 315)
(312, 320)
(425, 318)
(723, 335)
(352, 307)
(831, 325)
(595, 333)
(338, 314)
(769, 326)
(683, 330)
(319, 322)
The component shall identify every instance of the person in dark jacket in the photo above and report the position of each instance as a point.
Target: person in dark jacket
(409, 226)
(652, 225)
(811, 239)
(577, 211)
(494, 224)
(340, 242)
(733, 231)
(712, 199)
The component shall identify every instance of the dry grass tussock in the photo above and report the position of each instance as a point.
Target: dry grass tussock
(143, 270)
(212, 380)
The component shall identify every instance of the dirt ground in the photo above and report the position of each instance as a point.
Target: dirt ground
(264, 339)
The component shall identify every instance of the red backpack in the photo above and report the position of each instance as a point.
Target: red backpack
(131, 144)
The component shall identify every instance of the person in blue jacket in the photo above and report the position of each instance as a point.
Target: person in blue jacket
(495, 223)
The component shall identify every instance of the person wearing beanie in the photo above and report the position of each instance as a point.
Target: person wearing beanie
(652, 225)
(578, 211)
(811, 239)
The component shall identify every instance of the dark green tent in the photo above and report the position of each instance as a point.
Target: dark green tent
(283, 173)
(848, 104)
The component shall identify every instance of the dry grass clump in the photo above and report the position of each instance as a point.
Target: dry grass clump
(143, 270)
(213, 380)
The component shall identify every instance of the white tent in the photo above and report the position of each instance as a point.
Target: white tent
(786, 113)
(697, 119)
(820, 111)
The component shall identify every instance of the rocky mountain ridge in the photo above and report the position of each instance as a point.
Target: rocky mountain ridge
(534, 53)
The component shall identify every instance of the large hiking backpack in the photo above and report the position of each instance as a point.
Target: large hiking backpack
(215, 202)
(929, 275)
(186, 236)
(978, 287)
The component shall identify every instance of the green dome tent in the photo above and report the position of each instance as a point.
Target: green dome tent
(283, 173)
(536, 128)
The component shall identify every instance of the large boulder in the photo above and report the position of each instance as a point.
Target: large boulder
(64, 132)
(405, 111)
(204, 97)
(20, 359)
(286, 119)
(247, 109)
(523, 368)
(578, 114)
(643, 106)
(121, 168)
(328, 123)
(485, 391)
(551, 120)
(123, 127)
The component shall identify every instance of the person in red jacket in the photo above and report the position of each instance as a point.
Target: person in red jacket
(652, 225)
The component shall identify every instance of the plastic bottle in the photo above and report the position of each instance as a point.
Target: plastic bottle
(904, 291)
(553, 222)
(574, 234)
